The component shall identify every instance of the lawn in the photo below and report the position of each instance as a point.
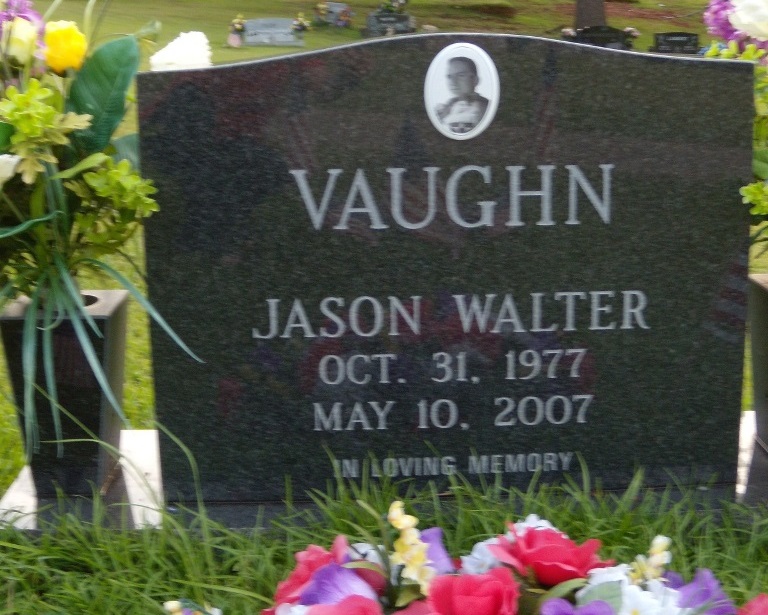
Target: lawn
(531, 17)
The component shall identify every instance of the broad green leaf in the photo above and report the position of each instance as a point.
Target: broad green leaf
(127, 148)
(408, 593)
(6, 130)
(760, 163)
(100, 90)
(609, 592)
(561, 590)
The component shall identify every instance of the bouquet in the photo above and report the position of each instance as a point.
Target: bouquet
(533, 568)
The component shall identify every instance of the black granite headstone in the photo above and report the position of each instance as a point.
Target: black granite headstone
(676, 42)
(383, 23)
(562, 278)
(602, 36)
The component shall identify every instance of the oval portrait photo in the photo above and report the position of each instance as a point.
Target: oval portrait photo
(461, 91)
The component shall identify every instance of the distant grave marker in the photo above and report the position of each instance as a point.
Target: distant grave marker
(676, 42)
(276, 31)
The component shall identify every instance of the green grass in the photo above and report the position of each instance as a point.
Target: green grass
(82, 567)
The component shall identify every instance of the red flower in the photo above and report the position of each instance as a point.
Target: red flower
(493, 593)
(550, 555)
(351, 605)
(757, 606)
(307, 562)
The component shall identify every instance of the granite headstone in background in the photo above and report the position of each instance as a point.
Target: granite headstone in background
(565, 280)
(273, 31)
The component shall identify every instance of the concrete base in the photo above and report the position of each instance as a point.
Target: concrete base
(135, 482)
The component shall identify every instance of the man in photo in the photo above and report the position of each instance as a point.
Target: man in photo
(466, 108)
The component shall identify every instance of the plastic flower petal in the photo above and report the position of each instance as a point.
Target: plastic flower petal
(436, 554)
(558, 606)
(757, 606)
(398, 519)
(19, 39)
(186, 51)
(332, 583)
(480, 559)
(705, 595)
(8, 164)
(351, 605)
(65, 46)
(751, 17)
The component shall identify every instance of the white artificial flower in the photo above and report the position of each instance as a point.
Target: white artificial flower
(751, 17)
(187, 50)
(291, 609)
(480, 560)
(8, 165)
(20, 39)
(532, 522)
(659, 600)
(597, 576)
(365, 551)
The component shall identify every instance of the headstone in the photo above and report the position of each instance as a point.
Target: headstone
(275, 31)
(602, 36)
(676, 42)
(421, 266)
(590, 13)
(384, 23)
(338, 13)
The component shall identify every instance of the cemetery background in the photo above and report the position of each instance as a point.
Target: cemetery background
(540, 17)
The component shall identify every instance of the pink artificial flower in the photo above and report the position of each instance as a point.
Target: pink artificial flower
(550, 555)
(757, 606)
(493, 593)
(352, 605)
(307, 563)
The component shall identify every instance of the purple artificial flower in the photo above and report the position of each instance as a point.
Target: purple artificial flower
(704, 592)
(23, 9)
(332, 583)
(673, 580)
(436, 553)
(716, 19)
(558, 606)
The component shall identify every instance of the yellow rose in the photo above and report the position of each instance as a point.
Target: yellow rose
(19, 39)
(65, 46)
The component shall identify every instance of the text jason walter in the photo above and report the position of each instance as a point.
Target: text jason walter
(506, 463)
(365, 316)
(360, 200)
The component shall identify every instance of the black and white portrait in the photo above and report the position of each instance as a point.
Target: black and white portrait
(461, 91)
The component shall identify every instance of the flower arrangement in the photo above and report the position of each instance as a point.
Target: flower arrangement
(300, 24)
(70, 189)
(237, 25)
(533, 568)
(743, 25)
(393, 6)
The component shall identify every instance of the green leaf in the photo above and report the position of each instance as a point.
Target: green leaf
(127, 148)
(760, 163)
(408, 593)
(100, 90)
(609, 592)
(94, 160)
(10, 231)
(561, 590)
(6, 131)
(150, 309)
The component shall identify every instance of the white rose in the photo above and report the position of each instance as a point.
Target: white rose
(480, 560)
(750, 16)
(187, 50)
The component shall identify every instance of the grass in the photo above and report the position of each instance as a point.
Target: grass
(76, 566)
(532, 17)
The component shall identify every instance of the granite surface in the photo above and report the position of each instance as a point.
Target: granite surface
(564, 284)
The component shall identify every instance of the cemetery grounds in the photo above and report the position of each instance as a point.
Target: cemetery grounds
(76, 565)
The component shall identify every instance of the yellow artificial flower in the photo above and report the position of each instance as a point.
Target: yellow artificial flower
(399, 519)
(65, 46)
(19, 39)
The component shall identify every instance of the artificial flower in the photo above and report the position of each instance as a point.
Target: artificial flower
(549, 555)
(757, 606)
(436, 554)
(705, 595)
(19, 39)
(493, 593)
(332, 584)
(352, 605)
(65, 46)
(307, 563)
(8, 165)
(558, 606)
(481, 559)
(186, 51)
(751, 17)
